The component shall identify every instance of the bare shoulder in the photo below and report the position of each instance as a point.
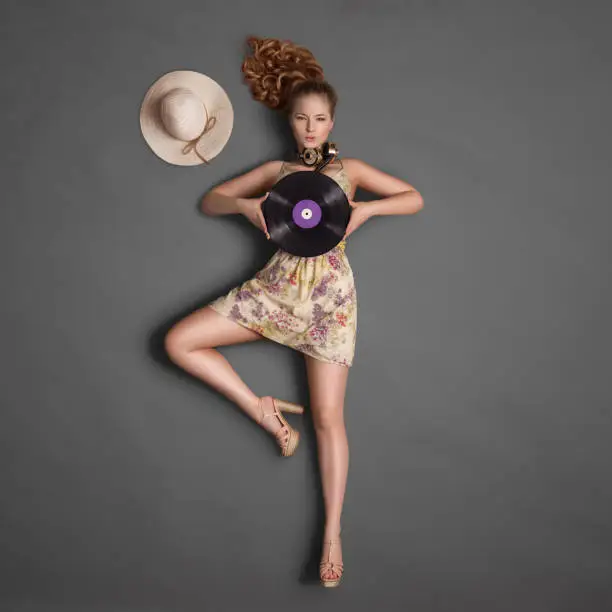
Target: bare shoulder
(350, 165)
(355, 168)
(276, 165)
(370, 178)
(272, 167)
(254, 182)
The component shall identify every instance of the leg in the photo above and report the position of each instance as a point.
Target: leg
(190, 345)
(327, 385)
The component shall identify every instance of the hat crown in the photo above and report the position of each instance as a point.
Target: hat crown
(183, 114)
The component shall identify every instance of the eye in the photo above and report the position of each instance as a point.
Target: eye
(321, 118)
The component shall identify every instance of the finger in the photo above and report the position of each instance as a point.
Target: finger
(264, 225)
(263, 220)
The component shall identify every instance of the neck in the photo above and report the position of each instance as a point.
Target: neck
(302, 148)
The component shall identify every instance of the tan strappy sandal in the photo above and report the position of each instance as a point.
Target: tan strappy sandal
(337, 567)
(286, 436)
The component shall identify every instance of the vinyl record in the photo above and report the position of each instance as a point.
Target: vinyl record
(307, 213)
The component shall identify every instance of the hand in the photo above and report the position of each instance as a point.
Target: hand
(359, 215)
(251, 209)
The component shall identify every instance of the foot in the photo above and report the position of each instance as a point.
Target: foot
(331, 566)
(272, 423)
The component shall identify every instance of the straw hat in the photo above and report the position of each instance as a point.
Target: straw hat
(186, 118)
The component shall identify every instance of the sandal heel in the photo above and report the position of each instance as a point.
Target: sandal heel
(289, 406)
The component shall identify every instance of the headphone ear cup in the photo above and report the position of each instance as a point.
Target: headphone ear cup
(310, 156)
(332, 150)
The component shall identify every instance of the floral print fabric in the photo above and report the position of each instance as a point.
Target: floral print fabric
(306, 303)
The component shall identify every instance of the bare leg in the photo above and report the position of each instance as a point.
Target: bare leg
(327, 385)
(190, 345)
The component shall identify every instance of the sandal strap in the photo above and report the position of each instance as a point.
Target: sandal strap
(265, 415)
(284, 430)
(275, 412)
(336, 566)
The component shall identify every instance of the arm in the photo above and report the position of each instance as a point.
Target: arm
(229, 197)
(399, 197)
(215, 203)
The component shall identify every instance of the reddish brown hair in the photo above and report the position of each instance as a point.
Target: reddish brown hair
(279, 71)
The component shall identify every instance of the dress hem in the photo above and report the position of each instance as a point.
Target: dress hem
(258, 330)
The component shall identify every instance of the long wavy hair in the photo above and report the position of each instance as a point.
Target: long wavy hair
(279, 71)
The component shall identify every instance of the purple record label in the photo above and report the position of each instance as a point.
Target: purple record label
(306, 213)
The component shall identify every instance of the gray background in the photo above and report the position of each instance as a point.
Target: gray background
(478, 406)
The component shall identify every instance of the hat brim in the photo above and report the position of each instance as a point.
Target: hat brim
(217, 104)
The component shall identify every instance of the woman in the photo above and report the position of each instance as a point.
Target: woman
(306, 303)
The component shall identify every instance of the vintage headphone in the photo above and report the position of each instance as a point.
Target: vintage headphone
(319, 156)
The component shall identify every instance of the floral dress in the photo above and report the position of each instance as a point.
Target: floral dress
(306, 303)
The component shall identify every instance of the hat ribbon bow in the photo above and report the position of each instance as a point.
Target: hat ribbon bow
(192, 144)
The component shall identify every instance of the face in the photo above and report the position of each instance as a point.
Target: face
(310, 121)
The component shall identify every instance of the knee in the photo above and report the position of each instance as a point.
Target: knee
(174, 344)
(329, 418)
